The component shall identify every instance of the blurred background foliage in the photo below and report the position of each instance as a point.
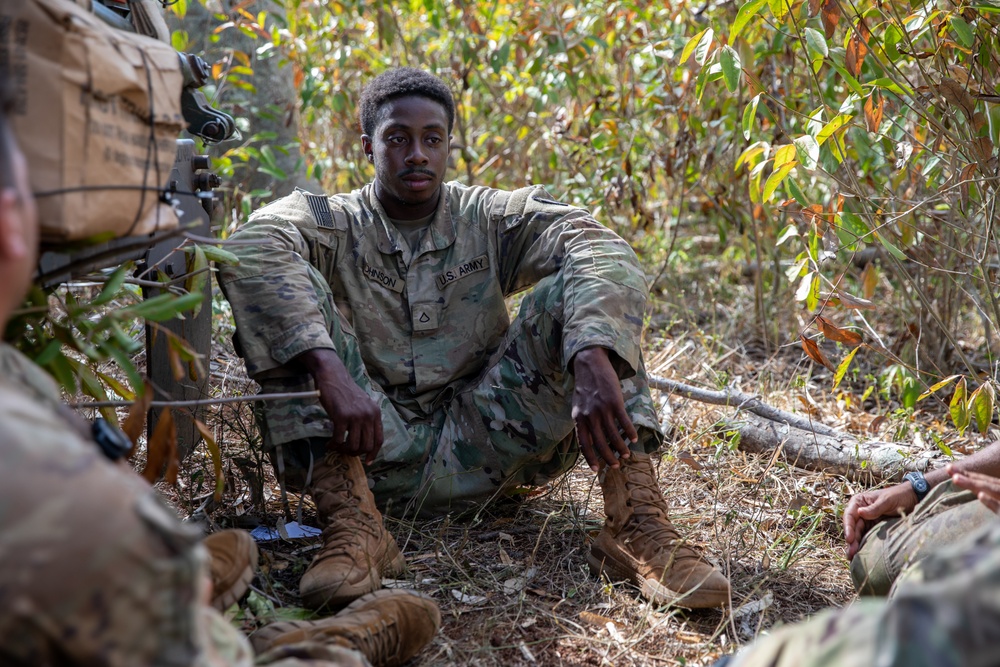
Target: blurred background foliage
(833, 155)
(823, 173)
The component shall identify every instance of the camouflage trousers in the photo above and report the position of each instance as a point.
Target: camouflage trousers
(946, 516)
(509, 427)
(945, 612)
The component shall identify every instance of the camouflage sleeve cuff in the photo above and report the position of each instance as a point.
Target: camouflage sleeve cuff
(302, 338)
(625, 348)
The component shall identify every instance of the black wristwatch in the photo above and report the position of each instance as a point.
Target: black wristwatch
(919, 484)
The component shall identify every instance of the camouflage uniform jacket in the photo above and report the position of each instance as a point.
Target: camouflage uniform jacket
(427, 320)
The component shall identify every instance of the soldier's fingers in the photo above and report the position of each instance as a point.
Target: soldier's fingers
(377, 440)
(355, 432)
(628, 428)
(587, 447)
(992, 502)
(337, 439)
(601, 444)
(614, 437)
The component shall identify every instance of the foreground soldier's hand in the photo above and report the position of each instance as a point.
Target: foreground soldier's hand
(357, 420)
(865, 509)
(986, 487)
(599, 409)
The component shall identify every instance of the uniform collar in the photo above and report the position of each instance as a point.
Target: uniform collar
(391, 241)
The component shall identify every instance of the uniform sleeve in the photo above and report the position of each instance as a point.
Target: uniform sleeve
(278, 297)
(604, 287)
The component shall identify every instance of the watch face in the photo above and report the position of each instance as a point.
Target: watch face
(920, 484)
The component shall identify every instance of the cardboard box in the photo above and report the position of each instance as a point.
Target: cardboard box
(97, 114)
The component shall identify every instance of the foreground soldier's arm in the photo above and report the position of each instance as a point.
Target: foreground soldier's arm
(605, 298)
(867, 508)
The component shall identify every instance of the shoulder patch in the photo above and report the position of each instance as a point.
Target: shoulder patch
(320, 207)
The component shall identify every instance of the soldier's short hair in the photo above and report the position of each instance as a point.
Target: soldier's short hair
(402, 82)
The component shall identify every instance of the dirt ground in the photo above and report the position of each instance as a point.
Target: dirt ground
(512, 580)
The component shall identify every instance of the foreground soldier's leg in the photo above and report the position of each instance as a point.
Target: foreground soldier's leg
(388, 627)
(945, 517)
(945, 614)
(515, 428)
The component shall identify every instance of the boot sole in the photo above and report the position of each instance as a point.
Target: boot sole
(651, 589)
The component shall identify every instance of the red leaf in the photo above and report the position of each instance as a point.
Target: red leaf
(161, 450)
(812, 351)
(835, 333)
(830, 16)
(873, 111)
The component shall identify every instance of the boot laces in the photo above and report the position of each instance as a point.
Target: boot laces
(380, 643)
(649, 521)
(347, 526)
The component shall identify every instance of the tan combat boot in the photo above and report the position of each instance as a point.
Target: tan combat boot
(639, 544)
(233, 562)
(389, 627)
(357, 550)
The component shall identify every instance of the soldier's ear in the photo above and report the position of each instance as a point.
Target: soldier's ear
(366, 146)
(13, 239)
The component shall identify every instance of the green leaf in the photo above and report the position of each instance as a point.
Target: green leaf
(749, 153)
(164, 306)
(703, 49)
(198, 279)
(783, 155)
(938, 385)
(830, 128)
(692, 43)
(893, 250)
(220, 256)
(816, 42)
(812, 299)
(747, 12)
(112, 286)
(731, 67)
(807, 149)
(749, 113)
(851, 81)
(775, 179)
(958, 408)
(890, 42)
(125, 364)
(982, 403)
(842, 368)
(885, 83)
(964, 33)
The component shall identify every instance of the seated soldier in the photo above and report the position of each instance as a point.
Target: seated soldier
(95, 569)
(390, 302)
(888, 529)
(944, 611)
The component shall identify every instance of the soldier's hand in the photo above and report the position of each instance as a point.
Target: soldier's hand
(356, 417)
(986, 487)
(865, 509)
(599, 409)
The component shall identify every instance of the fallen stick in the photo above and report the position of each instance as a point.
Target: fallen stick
(841, 455)
(741, 401)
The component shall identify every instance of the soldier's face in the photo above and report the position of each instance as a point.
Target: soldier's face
(410, 151)
(18, 231)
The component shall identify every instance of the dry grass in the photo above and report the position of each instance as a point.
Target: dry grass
(512, 580)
